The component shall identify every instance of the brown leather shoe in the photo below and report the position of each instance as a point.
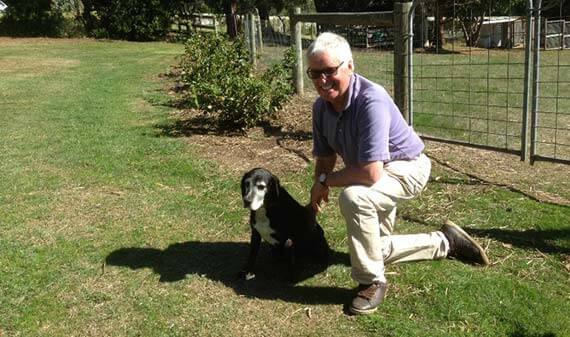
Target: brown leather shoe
(368, 299)
(462, 246)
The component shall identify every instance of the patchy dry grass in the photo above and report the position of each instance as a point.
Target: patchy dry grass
(123, 218)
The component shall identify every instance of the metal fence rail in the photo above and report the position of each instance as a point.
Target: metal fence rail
(503, 91)
(478, 94)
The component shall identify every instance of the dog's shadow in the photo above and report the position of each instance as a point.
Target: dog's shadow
(221, 261)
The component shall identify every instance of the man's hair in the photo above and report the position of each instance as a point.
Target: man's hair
(334, 44)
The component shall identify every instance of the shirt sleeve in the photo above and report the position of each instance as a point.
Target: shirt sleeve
(373, 130)
(321, 147)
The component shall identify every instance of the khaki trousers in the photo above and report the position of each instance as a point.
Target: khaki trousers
(370, 214)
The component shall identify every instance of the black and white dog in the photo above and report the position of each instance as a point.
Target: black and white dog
(282, 222)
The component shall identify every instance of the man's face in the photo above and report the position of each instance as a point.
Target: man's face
(332, 86)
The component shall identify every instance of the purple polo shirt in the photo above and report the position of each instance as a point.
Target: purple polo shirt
(370, 128)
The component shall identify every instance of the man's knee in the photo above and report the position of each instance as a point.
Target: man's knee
(350, 200)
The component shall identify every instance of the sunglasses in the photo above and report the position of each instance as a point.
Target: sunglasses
(328, 72)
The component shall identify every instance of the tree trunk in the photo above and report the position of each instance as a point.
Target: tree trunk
(439, 26)
(472, 29)
(231, 20)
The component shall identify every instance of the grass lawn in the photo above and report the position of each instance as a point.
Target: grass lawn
(108, 227)
(476, 96)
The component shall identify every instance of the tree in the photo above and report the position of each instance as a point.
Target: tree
(139, 20)
(32, 18)
(470, 14)
(353, 5)
(232, 7)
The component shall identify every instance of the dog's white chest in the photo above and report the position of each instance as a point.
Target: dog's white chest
(262, 226)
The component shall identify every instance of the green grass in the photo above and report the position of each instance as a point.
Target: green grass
(108, 227)
(476, 96)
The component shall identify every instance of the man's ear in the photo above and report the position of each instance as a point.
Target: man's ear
(350, 66)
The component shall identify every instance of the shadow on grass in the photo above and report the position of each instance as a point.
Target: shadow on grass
(197, 125)
(521, 332)
(221, 261)
(551, 241)
(206, 125)
(543, 240)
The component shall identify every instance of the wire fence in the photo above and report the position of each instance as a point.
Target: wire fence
(474, 93)
(503, 84)
(470, 90)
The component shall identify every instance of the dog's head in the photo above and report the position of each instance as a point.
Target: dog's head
(259, 187)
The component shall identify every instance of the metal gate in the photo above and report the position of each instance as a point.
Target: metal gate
(502, 91)
(550, 109)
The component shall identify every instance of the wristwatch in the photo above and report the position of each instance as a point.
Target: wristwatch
(323, 179)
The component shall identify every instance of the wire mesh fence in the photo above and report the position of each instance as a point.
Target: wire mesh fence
(372, 46)
(476, 78)
(473, 91)
(551, 121)
(470, 89)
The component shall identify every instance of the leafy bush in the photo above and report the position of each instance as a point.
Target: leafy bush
(221, 82)
(32, 18)
(136, 20)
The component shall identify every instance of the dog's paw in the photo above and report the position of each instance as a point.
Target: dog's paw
(289, 243)
(245, 275)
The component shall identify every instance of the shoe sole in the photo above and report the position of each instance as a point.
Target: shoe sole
(361, 312)
(449, 223)
(364, 311)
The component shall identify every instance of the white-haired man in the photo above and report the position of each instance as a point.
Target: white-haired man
(384, 164)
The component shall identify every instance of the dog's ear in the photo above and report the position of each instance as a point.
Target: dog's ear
(275, 186)
(244, 188)
(242, 184)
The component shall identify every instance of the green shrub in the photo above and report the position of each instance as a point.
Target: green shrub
(32, 18)
(136, 20)
(280, 78)
(221, 82)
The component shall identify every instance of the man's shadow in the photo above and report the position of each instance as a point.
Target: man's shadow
(221, 261)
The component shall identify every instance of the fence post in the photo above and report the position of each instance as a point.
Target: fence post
(535, 78)
(527, 81)
(298, 41)
(251, 39)
(259, 32)
(401, 61)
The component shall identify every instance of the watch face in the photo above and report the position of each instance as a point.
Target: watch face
(322, 178)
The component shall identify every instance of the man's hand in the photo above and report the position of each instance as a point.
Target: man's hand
(319, 193)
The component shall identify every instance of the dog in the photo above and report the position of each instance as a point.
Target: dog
(278, 219)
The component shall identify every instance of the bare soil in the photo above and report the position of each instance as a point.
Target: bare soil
(284, 147)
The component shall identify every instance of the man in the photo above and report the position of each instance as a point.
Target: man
(357, 120)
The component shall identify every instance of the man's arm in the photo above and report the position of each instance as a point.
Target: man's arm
(324, 165)
(366, 174)
(320, 192)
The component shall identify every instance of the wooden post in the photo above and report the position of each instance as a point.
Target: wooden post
(251, 33)
(231, 21)
(259, 33)
(401, 51)
(298, 42)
